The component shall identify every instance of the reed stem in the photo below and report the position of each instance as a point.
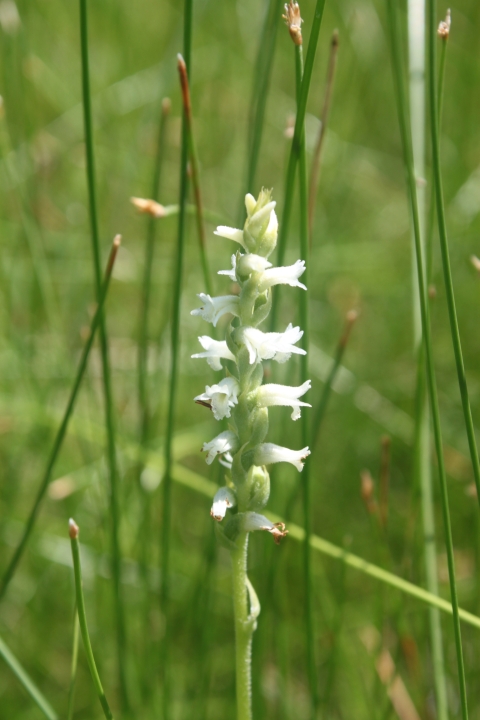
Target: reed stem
(47, 476)
(296, 146)
(73, 671)
(174, 361)
(442, 232)
(305, 420)
(26, 681)
(107, 385)
(317, 153)
(425, 319)
(195, 173)
(82, 619)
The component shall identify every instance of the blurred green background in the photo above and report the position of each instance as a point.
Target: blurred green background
(361, 258)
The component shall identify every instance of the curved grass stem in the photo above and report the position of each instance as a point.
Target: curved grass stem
(26, 681)
(107, 384)
(82, 619)
(47, 476)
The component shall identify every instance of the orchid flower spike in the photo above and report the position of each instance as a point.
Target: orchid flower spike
(242, 449)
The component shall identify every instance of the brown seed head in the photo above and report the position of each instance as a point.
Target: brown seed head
(475, 262)
(293, 20)
(73, 529)
(149, 207)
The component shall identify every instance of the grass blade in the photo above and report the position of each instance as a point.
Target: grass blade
(195, 173)
(26, 681)
(317, 153)
(82, 619)
(442, 232)
(430, 371)
(73, 671)
(107, 385)
(174, 360)
(295, 148)
(9, 572)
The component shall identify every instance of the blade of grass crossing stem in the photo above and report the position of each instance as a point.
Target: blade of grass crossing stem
(73, 671)
(432, 387)
(422, 442)
(305, 428)
(26, 681)
(9, 572)
(296, 144)
(195, 173)
(82, 619)
(317, 153)
(442, 232)
(143, 394)
(174, 360)
(107, 386)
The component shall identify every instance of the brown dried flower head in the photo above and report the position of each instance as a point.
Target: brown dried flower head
(293, 20)
(149, 207)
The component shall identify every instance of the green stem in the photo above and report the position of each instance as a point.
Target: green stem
(202, 236)
(258, 102)
(408, 159)
(174, 361)
(82, 619)
(26, 681)
(305, 427)
(422, 444)
(109, 413)
(9, 572)
(317, 153)
(243, 629)
(442, 231)
(296, 145)
(143, 394)
(73, 672)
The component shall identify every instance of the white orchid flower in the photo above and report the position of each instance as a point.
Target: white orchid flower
(215, 350)
(230, 233)
(224, 499)
(254, 521)
(271, 394)
(283, 276)
(269, 453)
(213, 308)
(220, 397)
(221, 444)
(265, 346)
(232, 274)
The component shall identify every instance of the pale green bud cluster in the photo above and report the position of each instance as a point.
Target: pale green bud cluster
(240, 396)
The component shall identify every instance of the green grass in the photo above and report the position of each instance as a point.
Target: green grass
(360, 259)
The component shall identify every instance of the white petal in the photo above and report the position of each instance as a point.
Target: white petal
(230, 233)
(213, 308)
(254, 521)
(230, 273)
(269, 453)
(214, 351)
(224, 499)
(283, 276)
(219, 445)
(250, 203)
(264, 346)
(282, 395)
(220, 397)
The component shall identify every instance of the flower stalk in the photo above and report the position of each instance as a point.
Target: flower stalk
(244, 401)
